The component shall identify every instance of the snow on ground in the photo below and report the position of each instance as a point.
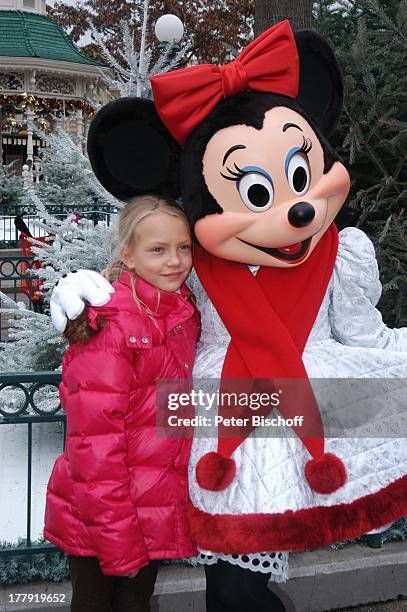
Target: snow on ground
(47, 446)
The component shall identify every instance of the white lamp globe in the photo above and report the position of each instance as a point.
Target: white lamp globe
(25, 168)
(169, 29)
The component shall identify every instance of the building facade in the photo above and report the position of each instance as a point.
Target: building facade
(45, 80)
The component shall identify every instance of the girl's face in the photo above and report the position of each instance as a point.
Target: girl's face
(162, 252)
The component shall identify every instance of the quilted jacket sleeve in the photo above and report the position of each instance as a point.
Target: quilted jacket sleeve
(356, 289)
(97, 381)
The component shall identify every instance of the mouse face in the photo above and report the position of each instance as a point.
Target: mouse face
(245, 146)
(271, 184)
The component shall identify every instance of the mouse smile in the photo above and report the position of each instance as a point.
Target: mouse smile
(292, 253)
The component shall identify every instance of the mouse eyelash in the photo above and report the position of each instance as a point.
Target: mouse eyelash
(306, 146)
(236, 175)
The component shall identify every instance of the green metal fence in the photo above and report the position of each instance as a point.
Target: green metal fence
(14, 272)
(27, 399)
(9, 235)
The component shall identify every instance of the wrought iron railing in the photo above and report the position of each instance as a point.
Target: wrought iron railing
(9, 235)
(26, 399)
(55, 209)
(13, 270)
(16, 280)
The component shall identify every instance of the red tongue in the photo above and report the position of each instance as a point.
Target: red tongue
(292, 249)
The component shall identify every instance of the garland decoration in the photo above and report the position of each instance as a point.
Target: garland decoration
(42, 105)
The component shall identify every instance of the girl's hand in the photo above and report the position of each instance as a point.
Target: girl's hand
(132, 574)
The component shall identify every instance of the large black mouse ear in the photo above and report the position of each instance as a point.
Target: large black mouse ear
(132, 152)
(321, 85)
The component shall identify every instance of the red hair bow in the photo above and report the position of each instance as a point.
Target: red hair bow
(183, 98)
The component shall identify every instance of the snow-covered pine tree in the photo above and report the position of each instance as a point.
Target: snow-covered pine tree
(65, 168)
(131, 75)
(336, 21)
(74, 242)
(11, 186)
(33, 344)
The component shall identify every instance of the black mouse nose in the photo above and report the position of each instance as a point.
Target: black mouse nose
(301, 214)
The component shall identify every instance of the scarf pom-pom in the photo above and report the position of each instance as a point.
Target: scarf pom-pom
(325, 475)
(215, 472)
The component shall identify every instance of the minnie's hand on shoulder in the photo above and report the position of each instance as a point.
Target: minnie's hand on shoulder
(67, 299)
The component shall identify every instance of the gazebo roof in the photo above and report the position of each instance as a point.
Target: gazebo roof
(24, 34)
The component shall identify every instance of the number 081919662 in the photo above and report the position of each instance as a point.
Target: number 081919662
(37, 598)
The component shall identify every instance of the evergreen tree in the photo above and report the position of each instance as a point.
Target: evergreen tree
(11, 186)
(73, 242)
(370, 39)
(135, 66)
(33, 345)
(336, 21)
(65, 188)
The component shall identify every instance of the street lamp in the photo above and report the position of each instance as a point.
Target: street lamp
(169, 29)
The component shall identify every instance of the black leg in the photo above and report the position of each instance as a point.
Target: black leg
(91, 590)
(213, 603)
(231, 588)
(133, 594)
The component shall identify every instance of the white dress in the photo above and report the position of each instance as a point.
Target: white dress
(348, 340)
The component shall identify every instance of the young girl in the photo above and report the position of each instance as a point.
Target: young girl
(117, 496)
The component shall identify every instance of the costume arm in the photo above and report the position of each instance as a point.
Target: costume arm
(97, 387)
(354, 318)
(70, 291)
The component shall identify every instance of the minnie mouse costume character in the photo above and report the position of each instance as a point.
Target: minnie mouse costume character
(281, 297)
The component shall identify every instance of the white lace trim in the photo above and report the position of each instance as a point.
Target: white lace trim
(275, 564)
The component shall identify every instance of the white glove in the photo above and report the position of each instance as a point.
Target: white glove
(70, 291)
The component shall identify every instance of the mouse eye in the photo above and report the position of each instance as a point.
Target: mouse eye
(298, 172)
(256, 190)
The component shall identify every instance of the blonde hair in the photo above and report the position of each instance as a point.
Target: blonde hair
(137, 209)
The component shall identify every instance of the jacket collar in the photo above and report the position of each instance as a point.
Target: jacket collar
(171, 306)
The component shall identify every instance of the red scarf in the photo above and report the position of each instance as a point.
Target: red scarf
(269, 318)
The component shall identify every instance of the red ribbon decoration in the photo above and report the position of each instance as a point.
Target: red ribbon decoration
(183, 98)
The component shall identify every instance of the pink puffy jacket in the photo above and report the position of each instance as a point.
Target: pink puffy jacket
(119, 492)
